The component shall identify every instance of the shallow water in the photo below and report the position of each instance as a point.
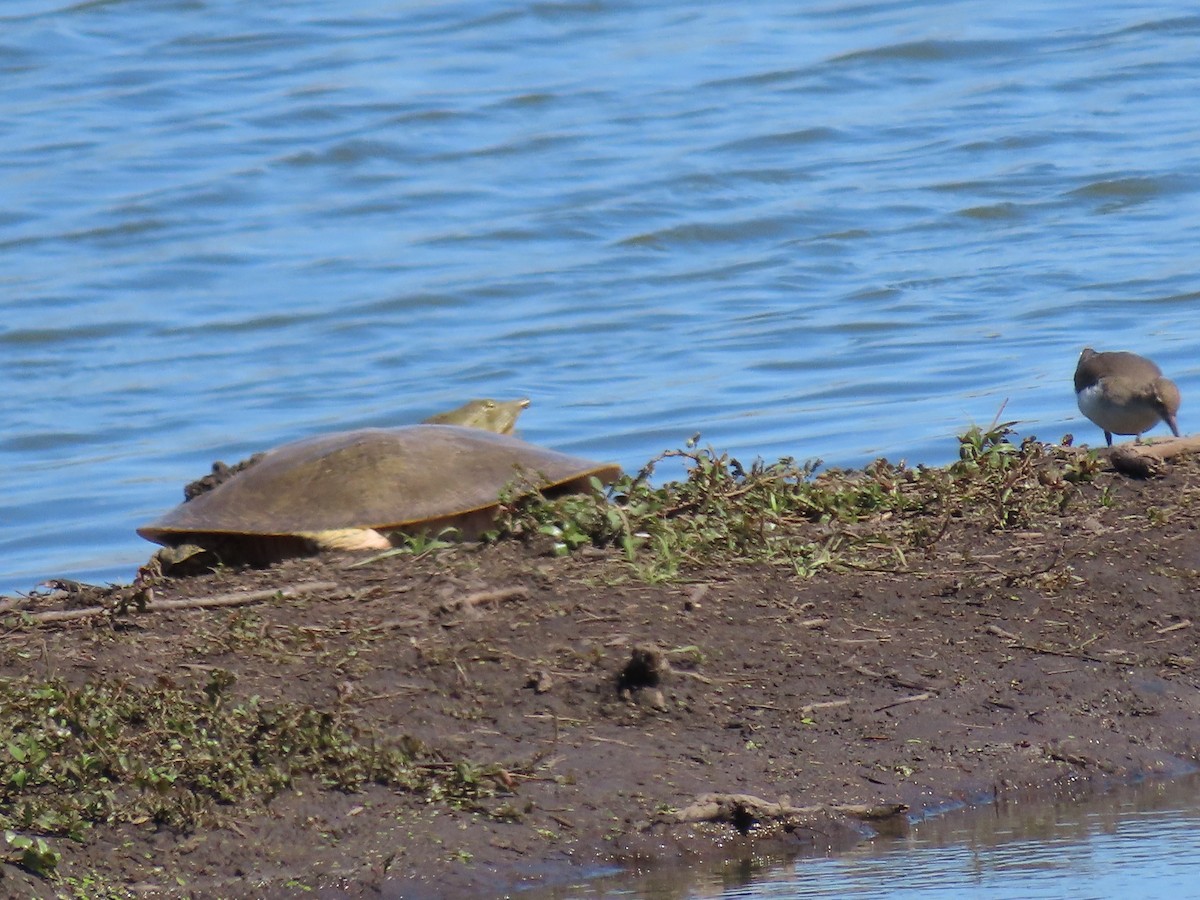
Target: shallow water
(836, 230)
(1135, 842)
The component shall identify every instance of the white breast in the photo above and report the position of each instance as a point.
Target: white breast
(1130, 417)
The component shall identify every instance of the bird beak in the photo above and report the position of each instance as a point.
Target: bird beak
(1170, 420)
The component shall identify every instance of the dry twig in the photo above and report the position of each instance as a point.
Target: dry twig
(217, 600)
(498, 595)
(1000, 632)
(915, 698)
(1186, 623)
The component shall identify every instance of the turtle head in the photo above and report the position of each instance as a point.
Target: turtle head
(499, 416)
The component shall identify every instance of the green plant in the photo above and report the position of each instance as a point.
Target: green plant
(106, 752)
(416, 545)
(34, 854)
(722, 512)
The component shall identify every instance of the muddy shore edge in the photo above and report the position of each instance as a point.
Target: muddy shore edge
(591, 718)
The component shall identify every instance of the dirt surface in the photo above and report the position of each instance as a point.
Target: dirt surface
(606, 710)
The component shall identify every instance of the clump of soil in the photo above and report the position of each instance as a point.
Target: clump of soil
(220, 474)
(541, 715)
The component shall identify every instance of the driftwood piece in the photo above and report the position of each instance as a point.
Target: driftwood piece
(744, 811)
(1146, 460)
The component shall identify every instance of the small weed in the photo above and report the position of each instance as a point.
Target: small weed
(1082, 467)
(33, 854)
(415, 545)
(90, 886)
(691, 654)
(219, 680)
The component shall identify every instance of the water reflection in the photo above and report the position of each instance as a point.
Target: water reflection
(1133, 842)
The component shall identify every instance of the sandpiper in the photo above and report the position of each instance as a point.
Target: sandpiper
(1124, 393)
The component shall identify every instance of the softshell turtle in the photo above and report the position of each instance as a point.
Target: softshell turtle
(499, 416)
(358, 490)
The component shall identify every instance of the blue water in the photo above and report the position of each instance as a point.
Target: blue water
(831, 230)
(1131, 846)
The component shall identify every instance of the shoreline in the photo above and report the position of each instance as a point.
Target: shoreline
(559, 714)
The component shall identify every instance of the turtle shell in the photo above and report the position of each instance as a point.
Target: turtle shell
(411, 479)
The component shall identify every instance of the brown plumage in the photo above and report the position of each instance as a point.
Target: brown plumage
(1124, 393)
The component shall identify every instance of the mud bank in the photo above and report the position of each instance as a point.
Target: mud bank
(562, 715)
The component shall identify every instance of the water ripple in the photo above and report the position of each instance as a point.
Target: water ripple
(838, 232)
